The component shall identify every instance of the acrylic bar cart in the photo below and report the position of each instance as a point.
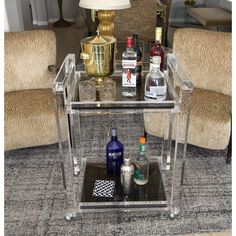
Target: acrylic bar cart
(162, 194)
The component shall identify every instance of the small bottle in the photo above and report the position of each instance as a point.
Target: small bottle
(127, 174)
(129, 61)
(141, 164)
(158, 49)
(114, 155)
(155, 84)
(138, 50)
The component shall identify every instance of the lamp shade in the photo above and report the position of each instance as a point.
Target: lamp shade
(105, 4)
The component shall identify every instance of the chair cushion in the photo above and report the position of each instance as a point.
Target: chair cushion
(206, 58)
(30, 119)
(27, 56)
(211, 16)
(209, 121)
(129, 20)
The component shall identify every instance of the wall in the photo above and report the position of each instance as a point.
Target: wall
(26, 14)
(19, 16)
(6, 24)
(14, 15)
(46, 11)
(39, 12)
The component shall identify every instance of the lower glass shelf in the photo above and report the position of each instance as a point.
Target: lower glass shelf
(149, 196)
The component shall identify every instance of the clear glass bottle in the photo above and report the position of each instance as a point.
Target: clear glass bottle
(155, 84)
(158, 49)
(129, 61)
(138, 50)
(141, 164)
(114, 155)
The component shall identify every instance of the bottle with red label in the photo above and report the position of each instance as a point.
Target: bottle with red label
(129, 62)
(158, 49)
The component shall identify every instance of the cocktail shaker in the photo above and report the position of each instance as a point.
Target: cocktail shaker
(127, 174)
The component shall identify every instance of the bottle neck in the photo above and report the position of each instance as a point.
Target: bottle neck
(136, 43)
(113, 138)
(129, 49)
(155, 67)
(141, 149)
(158, 35)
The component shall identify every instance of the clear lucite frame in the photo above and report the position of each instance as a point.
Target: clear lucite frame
(170, 157)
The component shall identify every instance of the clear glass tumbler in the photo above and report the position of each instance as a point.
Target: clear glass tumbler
(87, 90)
(107, 90)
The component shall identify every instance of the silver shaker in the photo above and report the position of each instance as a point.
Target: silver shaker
(127, 174)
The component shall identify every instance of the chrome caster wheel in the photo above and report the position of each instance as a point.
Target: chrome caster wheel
(174, 213)
(76, 171)
(69, 216)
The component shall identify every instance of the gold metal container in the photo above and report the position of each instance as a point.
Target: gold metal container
(98, 54)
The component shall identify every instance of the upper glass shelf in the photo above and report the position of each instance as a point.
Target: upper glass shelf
(72, 72)
(120, 101)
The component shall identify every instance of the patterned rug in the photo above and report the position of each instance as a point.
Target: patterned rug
(34, 196)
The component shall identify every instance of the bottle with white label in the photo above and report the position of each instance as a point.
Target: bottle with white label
(155, 85)
(129, 62)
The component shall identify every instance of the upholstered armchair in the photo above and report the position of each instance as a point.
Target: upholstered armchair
(29, 111)
(141, 18)
(206, 58)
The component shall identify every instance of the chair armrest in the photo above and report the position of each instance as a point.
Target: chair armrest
(27, 56)
(53, 68)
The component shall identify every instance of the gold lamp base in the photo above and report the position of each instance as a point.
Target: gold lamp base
(189, 2)
(106, 25)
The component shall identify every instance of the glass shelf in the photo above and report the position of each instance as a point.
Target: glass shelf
(120, 102)
(151, 195)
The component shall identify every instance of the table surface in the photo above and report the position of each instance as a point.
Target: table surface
(153, 191)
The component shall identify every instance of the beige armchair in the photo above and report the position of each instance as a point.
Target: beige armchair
(206, 58)
(29, 111)
(141, 18)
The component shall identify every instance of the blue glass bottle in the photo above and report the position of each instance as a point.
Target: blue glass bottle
(114, 155)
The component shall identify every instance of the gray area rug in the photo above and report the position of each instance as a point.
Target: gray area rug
(34, 194)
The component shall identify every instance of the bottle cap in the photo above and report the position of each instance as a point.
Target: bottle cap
(113, 132)
(142, 140)
(127, 161)
(129, 42)
(135, 36)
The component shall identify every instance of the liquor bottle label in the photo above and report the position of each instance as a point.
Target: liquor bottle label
(114, 155)
(155, 91)
(129, 64)
(129, 77)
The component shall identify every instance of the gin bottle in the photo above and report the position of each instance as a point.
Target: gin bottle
(114, 155)
(141, 164)
(129, 61)
(158, 49)
(138, 50)
(155, 84)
